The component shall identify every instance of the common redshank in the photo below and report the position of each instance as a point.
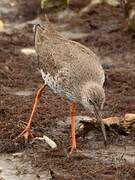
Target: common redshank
(71, 70)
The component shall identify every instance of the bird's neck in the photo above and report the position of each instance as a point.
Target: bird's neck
(90, 85)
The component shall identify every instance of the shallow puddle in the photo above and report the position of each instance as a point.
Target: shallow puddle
(13, 167)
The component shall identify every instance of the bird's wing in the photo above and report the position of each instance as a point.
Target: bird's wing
(86, 64)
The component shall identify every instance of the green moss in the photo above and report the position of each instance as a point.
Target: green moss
(51, 4)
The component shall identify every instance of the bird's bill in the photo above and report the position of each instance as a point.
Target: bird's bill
(99, 119)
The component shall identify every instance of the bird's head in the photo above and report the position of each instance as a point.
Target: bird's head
(93, 98)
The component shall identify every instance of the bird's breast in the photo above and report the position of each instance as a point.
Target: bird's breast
(60, 83)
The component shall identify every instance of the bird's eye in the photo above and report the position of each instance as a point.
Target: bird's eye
(91, 102)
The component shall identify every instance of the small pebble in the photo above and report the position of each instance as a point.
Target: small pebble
(1, 169)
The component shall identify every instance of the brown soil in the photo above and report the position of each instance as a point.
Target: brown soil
(20, 72)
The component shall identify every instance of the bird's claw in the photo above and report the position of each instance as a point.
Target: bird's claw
(72, 149)
(25, 133)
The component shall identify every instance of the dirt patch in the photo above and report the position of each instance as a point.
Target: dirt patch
(19, 72)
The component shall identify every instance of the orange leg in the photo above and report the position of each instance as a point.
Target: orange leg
(72, 121)
(27, 131)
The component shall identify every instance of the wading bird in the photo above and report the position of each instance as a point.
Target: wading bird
(71, 70)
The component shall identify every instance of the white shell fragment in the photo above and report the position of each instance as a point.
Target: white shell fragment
(50, 142)
(46, 139)
(28, 51)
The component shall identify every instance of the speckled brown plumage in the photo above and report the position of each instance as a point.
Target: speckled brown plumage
(70, 69)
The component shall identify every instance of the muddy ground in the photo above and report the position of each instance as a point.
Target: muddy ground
(20, 79)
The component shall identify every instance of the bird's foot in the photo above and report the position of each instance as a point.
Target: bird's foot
(73, 148)
(26, 133)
